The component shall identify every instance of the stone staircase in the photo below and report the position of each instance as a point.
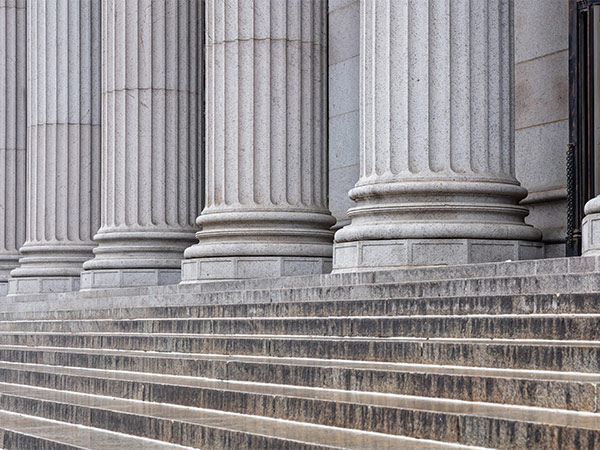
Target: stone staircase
(500, 355)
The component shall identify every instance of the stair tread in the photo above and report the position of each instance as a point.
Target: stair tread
(76, 435)
(262, 337)
(276, 428)
(322, 318)
(450, 406)
(546, 375)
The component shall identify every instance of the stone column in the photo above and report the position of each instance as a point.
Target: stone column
(13, 133)
(266, 208)
(437, 183)
(63, 144)
(150, 152)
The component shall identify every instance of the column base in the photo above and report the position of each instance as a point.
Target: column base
(247, 267)
(42, 285)
(3, 288)
(119, 278)
(391, 254)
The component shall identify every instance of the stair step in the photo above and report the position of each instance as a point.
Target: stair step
(18, 431)
(196, 427)
(541, 267)
(538, 284)
(531, 354)
(575, 303)
(570, 391)
(578, 393)
(449, 421)
(521, 326)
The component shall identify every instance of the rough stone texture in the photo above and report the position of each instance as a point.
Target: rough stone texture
(437, 179)
(151, 177)
(13, 134)
(266, 187)
(541, 110)
(63, 144)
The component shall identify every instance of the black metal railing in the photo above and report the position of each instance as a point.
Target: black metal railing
(583, 153)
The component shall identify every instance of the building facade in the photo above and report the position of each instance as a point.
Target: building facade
(147, 142)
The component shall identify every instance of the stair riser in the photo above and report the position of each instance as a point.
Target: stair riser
(541, 393)
(578, 328)
(503, 356)
(474, 430)
(11, 440)
(165, 430)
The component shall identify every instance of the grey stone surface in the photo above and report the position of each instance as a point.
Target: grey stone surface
(344, 32)
(151, 181)
(541, 28)
(63, 144)
(542, 90)
(344, 124)
(266, 187)
(548, 143)
(542, 134)
(434, 163)
(13, 135)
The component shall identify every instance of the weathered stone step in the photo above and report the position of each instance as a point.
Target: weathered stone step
(573, 356)
(494, 304)
(449, 421)
(548, 390)
(523, 326)
(572, 283)
(190, 426)
(540, 267)
(18, 431)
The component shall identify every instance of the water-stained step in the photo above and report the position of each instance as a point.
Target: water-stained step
(513, 326)
(523, 285)
(531, 354)
(576, 392)
(448, 421)
(18, 432)
(189, 426)
(575, 303)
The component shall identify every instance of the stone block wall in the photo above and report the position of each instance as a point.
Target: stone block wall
(541, 114)
(344, 39)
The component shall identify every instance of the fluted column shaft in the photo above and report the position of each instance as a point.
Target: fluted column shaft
(13, 134)
(63, 144)
(151, 166)
(437, 180)
(266, 208)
